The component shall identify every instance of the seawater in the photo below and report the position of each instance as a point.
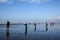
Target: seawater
(17, 32)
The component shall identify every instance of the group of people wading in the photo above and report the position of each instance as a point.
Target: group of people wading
(8, 24)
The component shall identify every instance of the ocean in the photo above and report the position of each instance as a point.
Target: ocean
(40, 32)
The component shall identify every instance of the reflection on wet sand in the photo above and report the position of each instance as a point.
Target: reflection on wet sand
(7, 33)
(28, 31)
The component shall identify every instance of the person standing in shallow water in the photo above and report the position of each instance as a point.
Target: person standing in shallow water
(46, 26)
(7, 30)
(25, 28)
(8, 23)
(35, 26)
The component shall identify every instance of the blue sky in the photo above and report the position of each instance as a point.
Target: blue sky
(29, 9)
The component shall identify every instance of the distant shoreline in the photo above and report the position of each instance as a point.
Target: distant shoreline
(24, 23)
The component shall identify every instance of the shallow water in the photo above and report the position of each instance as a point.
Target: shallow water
(17, 32)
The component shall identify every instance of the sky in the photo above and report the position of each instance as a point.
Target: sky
(18, 10)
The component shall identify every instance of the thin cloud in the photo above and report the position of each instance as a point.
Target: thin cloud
(7, 1)
(29, 1)
(34, 1)
(3, 1)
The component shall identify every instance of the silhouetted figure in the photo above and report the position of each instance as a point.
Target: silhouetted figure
(7, 29)
(46, 27)
(46, 24)
(25, 28)
(8, 23)
(52, 24)
(35, 26)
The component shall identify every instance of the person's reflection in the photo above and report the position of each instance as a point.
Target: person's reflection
(35, 26)
(46, 27)
(7, 29)
(25, 28)
(7, 33)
